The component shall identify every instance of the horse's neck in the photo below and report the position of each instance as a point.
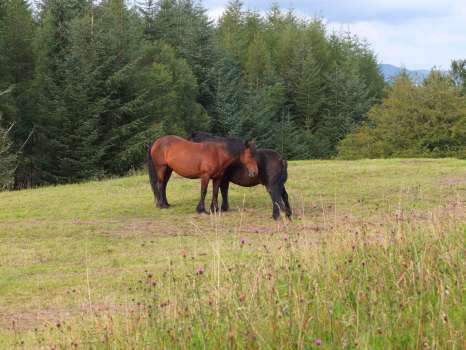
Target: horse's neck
(228, 161)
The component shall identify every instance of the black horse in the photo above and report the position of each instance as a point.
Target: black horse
(273, 173)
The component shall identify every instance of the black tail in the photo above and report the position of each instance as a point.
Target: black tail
(284, 173)
(283, 178)
(152, 174)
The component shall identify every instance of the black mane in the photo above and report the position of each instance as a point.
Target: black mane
(234, 145)
(200, 136)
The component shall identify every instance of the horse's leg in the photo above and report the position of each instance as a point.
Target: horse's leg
(204, 184)
(287, 203)
(168, 173)
(277, 201)
(161, 184)
(224, 189)
(214, 204)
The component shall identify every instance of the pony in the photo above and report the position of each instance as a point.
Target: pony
(191, 160)
(273, 173)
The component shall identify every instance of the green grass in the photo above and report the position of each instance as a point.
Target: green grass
(373, 259)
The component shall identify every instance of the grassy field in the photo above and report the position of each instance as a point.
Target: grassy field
(373, 259)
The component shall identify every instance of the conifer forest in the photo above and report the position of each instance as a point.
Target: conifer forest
(86, 86)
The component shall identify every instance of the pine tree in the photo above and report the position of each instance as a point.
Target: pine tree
(149, 91)
(52, 139)
(148, 9)
(258, 65)
(164, 102)
(310, 93)
(265, 117)
(83, 104)
(107, 55)
(230, 30)
(344, 109)
(17, 70)
(229, 95)
(283, 37)
(7, 157)
(7, 160)
(16, 34)
(186, 27)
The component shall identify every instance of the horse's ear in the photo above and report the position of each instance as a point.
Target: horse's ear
(249, 143)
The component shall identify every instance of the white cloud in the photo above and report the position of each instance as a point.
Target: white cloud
(216, 12)
(419, 43)
(414, 33)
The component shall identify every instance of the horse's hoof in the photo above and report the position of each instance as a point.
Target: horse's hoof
(225, 208)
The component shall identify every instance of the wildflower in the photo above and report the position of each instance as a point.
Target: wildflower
(318, 341)
(200, 271)
(242, 241)
(285, 238)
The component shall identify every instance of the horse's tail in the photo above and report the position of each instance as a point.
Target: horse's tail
(284, 194)
(284, 173)
(152, 174)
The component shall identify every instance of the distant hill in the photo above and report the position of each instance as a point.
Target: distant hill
(389, 72)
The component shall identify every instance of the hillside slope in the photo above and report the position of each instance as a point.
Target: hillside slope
(74, 252)
(390, 72)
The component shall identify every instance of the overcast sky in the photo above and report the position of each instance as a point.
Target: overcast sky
(417, 34)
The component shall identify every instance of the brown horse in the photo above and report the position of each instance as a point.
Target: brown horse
(192, 160)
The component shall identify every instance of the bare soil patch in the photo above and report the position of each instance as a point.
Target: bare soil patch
(50, 317)
(453, 180)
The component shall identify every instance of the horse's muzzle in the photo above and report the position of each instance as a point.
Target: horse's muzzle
(252, 174)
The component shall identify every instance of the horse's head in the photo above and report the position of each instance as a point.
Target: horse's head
(248, 158)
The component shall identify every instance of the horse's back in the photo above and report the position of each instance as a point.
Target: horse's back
(272, 165)
(188, 159)
(169, 140)
(167, 148)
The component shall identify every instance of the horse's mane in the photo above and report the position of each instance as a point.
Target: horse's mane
(235, 146)
(201, 136)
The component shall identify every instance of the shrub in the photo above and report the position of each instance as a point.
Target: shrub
(427, 120)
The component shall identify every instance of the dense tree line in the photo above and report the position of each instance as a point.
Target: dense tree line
(426, 120)
(93, 82)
